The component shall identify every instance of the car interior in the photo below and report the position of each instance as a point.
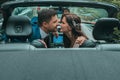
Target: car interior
(18, 34)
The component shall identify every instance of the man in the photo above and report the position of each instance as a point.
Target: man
(47, 21)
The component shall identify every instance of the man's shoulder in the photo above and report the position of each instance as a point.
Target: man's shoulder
(35, 33)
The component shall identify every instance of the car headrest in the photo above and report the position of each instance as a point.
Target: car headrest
(104, 28)
(18, 26)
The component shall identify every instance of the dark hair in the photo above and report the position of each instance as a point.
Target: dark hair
(65, 9)
(45, 15)
(74, 22)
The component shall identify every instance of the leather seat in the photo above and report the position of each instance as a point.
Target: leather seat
(104, 29)
(18, 28)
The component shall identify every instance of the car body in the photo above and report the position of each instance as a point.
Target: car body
(23, 61)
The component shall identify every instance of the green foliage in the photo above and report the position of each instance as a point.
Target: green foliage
(116, 2)
(116, 34)
(105, 0)
(118, 15)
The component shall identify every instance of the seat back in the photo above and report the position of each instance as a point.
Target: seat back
(18, 28)
(104, 29)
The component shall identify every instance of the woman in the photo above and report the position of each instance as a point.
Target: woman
(71, 27)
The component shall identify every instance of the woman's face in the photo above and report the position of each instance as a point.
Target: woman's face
(65, 28)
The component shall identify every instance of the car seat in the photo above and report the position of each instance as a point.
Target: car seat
(104, 29)
(18, 28)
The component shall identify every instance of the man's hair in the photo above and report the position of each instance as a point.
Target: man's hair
(45, 15)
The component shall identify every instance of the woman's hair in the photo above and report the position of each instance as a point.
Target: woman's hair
(74, 22)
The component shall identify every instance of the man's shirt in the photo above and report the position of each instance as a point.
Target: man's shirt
(43, 34)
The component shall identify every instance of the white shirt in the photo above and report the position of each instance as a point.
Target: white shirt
(43, 33)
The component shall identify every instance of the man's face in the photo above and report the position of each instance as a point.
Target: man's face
(52, 25)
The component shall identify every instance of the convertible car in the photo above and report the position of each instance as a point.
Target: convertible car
(29, 61)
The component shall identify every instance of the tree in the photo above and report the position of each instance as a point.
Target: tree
(116, 2)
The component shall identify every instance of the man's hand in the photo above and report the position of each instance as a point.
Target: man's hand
(39, 43)
(55, 34)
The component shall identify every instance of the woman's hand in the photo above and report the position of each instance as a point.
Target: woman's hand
(79, 41)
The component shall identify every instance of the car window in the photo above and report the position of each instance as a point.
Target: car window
(23, 11)
(28, 11)
(86, 13)
(89, 14)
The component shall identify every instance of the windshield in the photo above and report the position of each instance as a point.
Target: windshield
(86, 13)
(89, 14)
